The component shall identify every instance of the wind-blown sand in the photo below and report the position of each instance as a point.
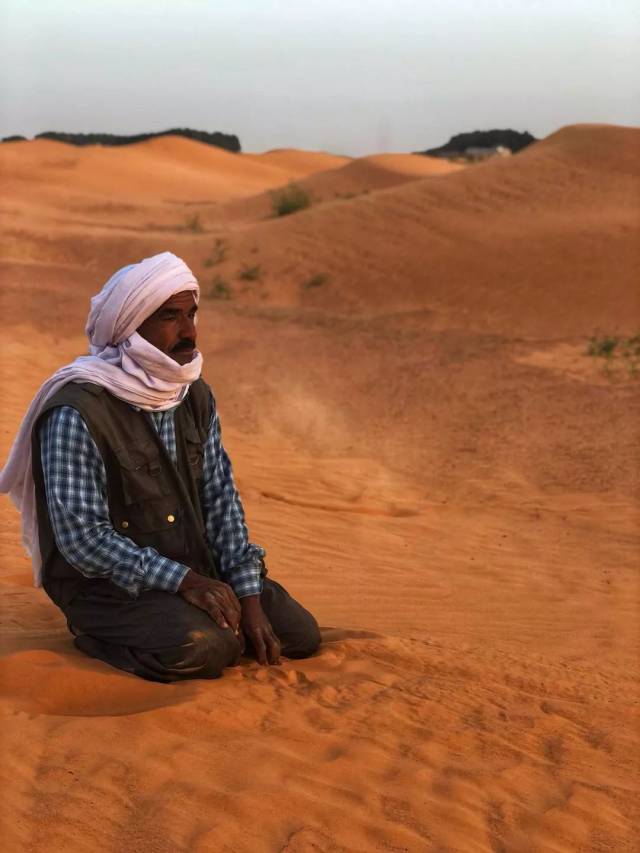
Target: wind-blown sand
(433, 465)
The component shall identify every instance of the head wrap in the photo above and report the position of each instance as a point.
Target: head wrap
(120, 360)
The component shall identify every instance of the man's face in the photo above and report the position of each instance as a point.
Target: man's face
(172, 328)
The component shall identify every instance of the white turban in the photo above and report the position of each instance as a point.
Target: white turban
(133, 294)
(121, 360)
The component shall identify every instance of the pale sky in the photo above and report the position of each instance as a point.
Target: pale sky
(349, 76)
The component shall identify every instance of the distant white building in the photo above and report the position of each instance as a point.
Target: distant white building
(475, 155)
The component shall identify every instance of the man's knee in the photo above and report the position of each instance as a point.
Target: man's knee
(207, 652)
(294, 626)
(304, 640)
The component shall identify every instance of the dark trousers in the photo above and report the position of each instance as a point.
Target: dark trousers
(161, 637)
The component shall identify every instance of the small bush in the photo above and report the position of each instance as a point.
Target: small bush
(220, 289)
(631, 353)
(250, 273)
(602, 347)
(218, 253)
(316, 280)
(614, 349)
(289, 200)
(631, 347)
(194, 224)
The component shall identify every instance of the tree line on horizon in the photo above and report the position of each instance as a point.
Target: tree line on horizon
(458, 144)
(228, 141)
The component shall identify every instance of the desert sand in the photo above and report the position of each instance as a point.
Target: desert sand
(432, 463)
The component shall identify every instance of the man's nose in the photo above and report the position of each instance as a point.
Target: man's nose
(188, 327)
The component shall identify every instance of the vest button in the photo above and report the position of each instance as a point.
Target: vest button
(125, 524)
(171, 519)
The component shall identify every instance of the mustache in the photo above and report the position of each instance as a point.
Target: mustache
(184, 343)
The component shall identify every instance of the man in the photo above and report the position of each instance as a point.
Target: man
(129, 507)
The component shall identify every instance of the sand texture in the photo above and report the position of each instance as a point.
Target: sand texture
(433, 465)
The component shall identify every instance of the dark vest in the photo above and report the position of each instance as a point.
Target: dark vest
(151, 500)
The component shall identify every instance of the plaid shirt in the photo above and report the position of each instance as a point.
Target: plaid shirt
(76, 491)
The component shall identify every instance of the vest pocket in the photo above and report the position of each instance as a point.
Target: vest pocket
(156, 524)
(195, 451)
(141, 473)
(150, 514)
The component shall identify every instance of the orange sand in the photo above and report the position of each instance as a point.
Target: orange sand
(298, 164)
(433, 465)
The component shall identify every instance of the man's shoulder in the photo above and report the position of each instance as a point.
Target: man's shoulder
(201, 404)
(200, 388)
(201, 395)
(74, 392)
(72, 397)
(66, 411)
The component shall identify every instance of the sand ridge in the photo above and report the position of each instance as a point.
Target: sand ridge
(339, 181)
(367, 174)
(434, 466)
(297, 163)
(167, 167)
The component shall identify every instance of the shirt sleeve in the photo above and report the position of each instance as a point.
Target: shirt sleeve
(241, 563)
(75, 483)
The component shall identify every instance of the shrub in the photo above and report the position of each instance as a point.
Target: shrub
(289, 200)
(218, 253)
(220, 289)
(631, 347)
(250, 273)
(194, 224)
(612, 349)
(316, 280)
(602, 347)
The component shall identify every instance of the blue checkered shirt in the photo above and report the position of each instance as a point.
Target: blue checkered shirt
(76, 491)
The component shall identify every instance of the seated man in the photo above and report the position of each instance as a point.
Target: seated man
(130, 511)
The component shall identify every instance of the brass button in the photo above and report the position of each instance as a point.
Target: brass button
(125, 524)
(171, 519)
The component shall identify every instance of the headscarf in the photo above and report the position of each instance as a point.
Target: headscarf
(120, 360)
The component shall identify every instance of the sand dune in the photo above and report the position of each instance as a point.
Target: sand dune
(297, 163)
(486, 248)
(434, 466)
(166, 168)
(376, 172)
(346, 181)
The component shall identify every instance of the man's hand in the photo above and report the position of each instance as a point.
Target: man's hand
(215, 597)
(258, 630)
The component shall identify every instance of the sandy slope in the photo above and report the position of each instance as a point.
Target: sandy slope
(514, 228)
(343, 180)
(299, 164)
(168, 167)
(375, 172)
(435, 468)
